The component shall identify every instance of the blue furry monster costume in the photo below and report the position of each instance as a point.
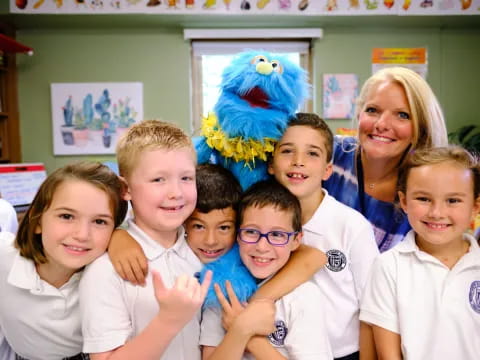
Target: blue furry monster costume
(229, 267)
(259, 93)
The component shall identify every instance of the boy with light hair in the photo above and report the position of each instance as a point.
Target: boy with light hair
(161, 320)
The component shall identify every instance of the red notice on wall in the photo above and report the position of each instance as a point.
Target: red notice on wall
(19, 182)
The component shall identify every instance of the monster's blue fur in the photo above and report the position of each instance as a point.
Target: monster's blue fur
(229, 267)
(286, 92)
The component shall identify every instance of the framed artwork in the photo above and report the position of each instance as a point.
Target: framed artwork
(88, 118)
(339, 94)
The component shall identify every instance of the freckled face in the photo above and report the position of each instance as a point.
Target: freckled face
(385, 125)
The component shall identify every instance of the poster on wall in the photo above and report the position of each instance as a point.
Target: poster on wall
(439, 7)
(412, 58)
(88, 118)
(249, 7)
(359, 7)
(234, 7)
(339, 94)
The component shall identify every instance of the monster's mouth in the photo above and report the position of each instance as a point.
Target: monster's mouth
(256, 97)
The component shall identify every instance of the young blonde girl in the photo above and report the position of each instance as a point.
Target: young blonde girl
(67, 226)
(423, 297)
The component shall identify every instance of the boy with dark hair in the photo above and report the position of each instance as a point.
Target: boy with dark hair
(217, 187)
(210, 230)
(301, 161)
(270, 229)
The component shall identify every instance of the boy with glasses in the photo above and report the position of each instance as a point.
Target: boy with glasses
(270, 229)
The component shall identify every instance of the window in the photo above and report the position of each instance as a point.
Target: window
(209, 58)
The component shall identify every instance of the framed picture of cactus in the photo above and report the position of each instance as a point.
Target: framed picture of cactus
(88, 118)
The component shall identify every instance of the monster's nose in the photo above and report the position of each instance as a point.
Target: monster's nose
(264, 68)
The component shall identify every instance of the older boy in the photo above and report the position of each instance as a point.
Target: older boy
(123, 321)
(300, 162)
(270, 229)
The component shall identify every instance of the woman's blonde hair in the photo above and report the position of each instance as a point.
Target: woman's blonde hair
(28, 242)
(429, 129)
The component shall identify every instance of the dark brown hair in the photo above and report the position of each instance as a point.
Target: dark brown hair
(317, 123)
(217, 188)
(271, 193)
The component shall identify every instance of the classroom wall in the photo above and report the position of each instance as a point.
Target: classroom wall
(160, 59)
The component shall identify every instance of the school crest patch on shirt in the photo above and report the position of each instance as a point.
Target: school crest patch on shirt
(474, 296)
(278, 336)
(336, 260)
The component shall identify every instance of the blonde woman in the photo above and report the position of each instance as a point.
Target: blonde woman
(397, 112)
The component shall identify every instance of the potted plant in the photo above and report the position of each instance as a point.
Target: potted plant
(67, 127)
(107, 135)
(125, 117)
(467, 136)
(80, 130)
(96, 130)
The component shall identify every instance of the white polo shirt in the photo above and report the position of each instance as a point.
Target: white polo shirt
(8, 217)
(38, 320)
(115, 311)
(300, 323)
(349, 242)
(6, 352)
(435, 310)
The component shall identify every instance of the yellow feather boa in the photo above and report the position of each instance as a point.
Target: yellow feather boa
(237, 148)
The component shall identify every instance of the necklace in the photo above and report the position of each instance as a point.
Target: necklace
(236, 148)
(371, 186)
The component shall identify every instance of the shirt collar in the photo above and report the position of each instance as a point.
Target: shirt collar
(24, 275)
(318, 218)
(152, 248)
(408, 245)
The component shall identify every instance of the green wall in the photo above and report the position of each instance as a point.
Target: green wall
(159, 57)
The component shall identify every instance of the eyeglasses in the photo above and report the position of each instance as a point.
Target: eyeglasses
(275, 237)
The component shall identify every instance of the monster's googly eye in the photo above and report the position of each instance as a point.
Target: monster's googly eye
(259, 58)
(277, 67)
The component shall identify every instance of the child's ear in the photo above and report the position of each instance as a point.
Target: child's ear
(126, 189)
(328, 171)
(476, 208)
(270, 167)
(38, 229)
(297, 241)
(403, 201)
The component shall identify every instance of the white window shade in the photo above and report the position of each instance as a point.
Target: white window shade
(232, 47)
(270, 33)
